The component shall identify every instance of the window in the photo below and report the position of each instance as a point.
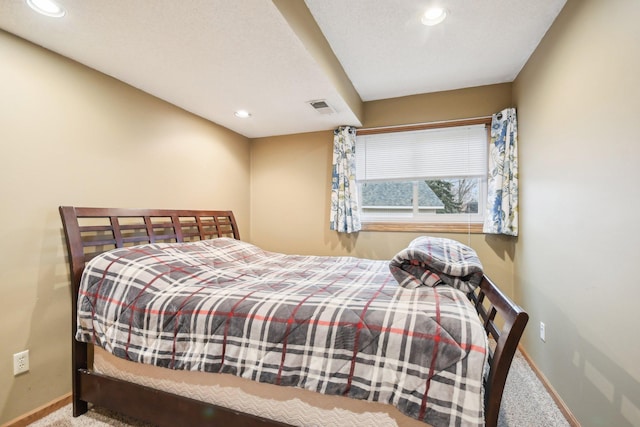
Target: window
(428, 174)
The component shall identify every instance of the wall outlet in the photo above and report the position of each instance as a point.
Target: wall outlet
(543, 332)
(21, 362)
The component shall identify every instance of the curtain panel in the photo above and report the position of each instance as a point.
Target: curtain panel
(345, 214)
(502, 185)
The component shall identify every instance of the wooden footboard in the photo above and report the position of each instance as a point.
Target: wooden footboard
(91, 231)
(492, 305)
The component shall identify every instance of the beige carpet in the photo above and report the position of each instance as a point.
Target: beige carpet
(525, 403)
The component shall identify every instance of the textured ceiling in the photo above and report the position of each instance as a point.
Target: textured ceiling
(387, 52)
(270, 57)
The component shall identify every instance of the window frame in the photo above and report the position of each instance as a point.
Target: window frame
(446, 225)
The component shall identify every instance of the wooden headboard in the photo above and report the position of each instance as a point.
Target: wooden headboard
(91, 231)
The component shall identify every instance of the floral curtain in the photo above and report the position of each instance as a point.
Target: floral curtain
(502, 204)
(345, 215)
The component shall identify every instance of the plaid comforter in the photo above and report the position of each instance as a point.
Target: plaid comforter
(335, 325)
(433, 261)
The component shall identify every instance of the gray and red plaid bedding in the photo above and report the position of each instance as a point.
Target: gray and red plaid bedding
(335, 325)
(433, 261)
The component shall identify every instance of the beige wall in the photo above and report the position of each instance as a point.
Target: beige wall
(578, 101)
(433, 107)
(69, 135)
(291, 178)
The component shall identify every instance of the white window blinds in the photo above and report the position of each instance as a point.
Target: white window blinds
(421, 154)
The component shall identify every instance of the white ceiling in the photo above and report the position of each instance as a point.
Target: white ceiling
(213, 57)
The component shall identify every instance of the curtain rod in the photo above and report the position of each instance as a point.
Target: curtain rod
(485, 120)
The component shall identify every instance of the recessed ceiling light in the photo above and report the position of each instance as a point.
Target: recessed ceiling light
(243, 114)
(47, 7)
(434, 16)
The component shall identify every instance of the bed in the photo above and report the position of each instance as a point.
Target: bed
(96, 235)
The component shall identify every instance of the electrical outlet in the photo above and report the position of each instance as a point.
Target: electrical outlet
(543, 332)
(21, 362)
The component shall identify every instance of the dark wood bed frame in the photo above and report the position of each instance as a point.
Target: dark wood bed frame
(91, 231)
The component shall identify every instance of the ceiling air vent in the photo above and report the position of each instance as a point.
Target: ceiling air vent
(321, 106)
